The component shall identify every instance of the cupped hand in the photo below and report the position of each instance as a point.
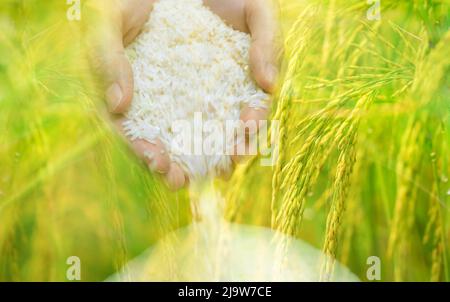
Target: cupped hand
(258, 18)
(116, 23)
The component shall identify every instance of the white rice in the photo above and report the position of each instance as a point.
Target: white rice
(187, 60)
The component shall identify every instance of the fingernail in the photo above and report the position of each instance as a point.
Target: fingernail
(114, 96)
(153, 166)
(152, 163)
(150, 156)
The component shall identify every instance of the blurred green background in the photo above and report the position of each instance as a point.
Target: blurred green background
(69, 185)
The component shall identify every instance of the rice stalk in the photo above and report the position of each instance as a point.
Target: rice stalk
(352, 215)
(435, 236)
(301, 171)
(435, 228)
(236, 187)
(302, 34)
(51, 169)
(121, 258)
(408, 163)
(347, 136)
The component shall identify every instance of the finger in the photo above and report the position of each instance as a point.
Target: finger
(153, 154)
(249, 116)
(260, 17)
(253, 114)
(108, 58)
(137, 13)
(119, 81)
(156, 157)
(175, 177)
(131, 35)
(230, 11)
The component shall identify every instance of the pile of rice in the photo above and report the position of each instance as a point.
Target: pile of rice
(187, 61)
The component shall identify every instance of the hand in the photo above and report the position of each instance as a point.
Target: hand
(121, 22)
(117, 23)
(256, 17)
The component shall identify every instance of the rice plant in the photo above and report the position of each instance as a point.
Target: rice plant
(363, 164)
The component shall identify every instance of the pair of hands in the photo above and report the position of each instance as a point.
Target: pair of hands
(121, 22)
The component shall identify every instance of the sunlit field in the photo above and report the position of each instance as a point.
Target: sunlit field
(363, 106)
